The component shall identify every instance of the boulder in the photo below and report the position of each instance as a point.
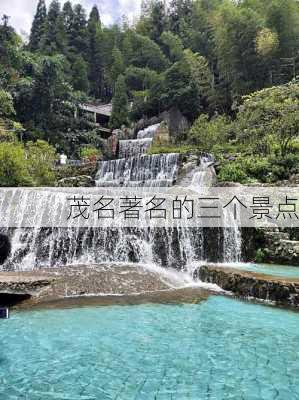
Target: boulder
(177, 123)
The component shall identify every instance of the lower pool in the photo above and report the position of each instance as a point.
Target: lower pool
(283, 271)
(219, 349)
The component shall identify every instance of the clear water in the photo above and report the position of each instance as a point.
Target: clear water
(219, 349)
(276, 270)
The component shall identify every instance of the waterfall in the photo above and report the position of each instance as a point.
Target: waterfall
(49, 247)
(143, 170)
(204, 175)
(232, 240)
(148, 132)
(179, 247)
(133, 148)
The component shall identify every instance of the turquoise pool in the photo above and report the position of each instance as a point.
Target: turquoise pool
(276, 270)
(219, 349)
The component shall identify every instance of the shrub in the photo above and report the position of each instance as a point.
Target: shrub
(270, 117)
(90, 153)
(207, 133)
(233, 172)
(283, 168)
(257, 168)
(40, 160)
(267, 170)
(13, 166)
(6, 104)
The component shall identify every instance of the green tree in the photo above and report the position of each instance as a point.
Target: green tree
(78, 35)
(51, 42)
(143, 52)
(235, 31)
(119, 115)
(201, 32)
(139, 79)
(51, 92)
(40, 160)
(267, 43)
(22, 92)
(206, 133)
(6, 104)
(13, 166)
(188, 85)
(38, 26)
(118, 65)
(180, 18)
(172, 45)
(80, 74)
(202, 77)
(181, 91)
(282, 17)
(95, 53)
(270, 118)
(10, 60)
(157, 20)
(90, 153)
(68, 18)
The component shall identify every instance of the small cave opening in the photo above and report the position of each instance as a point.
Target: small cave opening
(5, 248)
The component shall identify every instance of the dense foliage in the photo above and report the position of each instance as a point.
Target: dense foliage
(29, 165)
(225, 65)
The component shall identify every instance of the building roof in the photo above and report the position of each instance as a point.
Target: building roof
(102, 109)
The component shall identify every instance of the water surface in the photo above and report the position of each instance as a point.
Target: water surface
(218, 349)
(284, 271)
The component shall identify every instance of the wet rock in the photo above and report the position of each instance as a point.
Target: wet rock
(277, 246)
(248, 284)
(280, 249)
(23, 283)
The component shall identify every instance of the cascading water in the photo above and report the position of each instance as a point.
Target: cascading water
(180, 247)
(151, 171)
(148, 132)
(133, 148)
(232, 240)
(204, 175)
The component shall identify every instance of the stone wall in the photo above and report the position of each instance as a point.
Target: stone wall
(280, 249)
(271, 245)
(248, 284)
(23, 283)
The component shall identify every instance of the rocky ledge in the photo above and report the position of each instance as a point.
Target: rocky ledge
(23, 283)
(245, 284)
(82, 285)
